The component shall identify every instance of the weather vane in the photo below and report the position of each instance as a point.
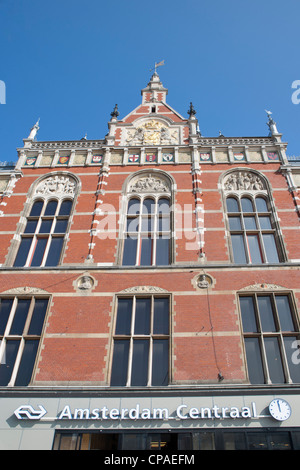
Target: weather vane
(157, 64)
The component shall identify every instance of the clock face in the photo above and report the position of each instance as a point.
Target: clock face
(280, 409)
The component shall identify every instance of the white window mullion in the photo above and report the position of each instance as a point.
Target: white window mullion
(17, 362)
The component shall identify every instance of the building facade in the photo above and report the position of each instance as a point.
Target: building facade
(150, 288)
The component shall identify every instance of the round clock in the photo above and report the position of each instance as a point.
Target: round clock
(280, 409)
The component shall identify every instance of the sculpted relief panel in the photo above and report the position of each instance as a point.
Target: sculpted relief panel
(152, 133)
(56, 185)
(243, 181)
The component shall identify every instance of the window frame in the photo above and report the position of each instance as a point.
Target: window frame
(278, 334)
(25, 336)
(139, 336)
(264, 191)
(49, 236)
(153, 234)
(131, 191)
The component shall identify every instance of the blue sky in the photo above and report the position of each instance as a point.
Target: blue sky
(69, 61)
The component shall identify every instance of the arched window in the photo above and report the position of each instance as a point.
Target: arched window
(147, 228)
(251, 222)
(43, 236)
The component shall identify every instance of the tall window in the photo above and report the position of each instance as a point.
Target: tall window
(141, 342)
(253, 235)
(43, 237)
(271, 336)
(147, 232)
(21, 324)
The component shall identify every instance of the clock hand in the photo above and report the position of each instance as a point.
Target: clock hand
(278, 403)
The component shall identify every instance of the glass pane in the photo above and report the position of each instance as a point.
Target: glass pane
(261, 204)
(234, 441)
(164, 224)
(266, 313)
(284, 313)
(148, 206)
(254, 361)
(250, 223)
(31, 226)
(120, 362)
(147, 224)
(20, 317)
(7, 365)
(163, 206)
(238, 248)
(139, 374)
(39, 252)
(248, 314)
(61, 226)
(146, 251)
(246, 204)
(235, 223)
(134, 441)
(265, 222)
(27, 363)
(203, 441)
(270, 248)
(5, 309)
(23, 252)
(292, 352)
(133, 206)
(129, 254)
(54, 251)
(162, 251)
(68, 441)
(257, 441)
(161, 316)
(46, 226)
(232, 205)
(142, 317)
(280, 441)
(123, 325)
(65, 207)
(132, 224)
(160, 362)
(38, 317)
(274, 360)
(254, 248)
(36, 208)
(51, 208)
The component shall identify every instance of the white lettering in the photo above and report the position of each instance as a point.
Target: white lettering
(234, 412)
(178, 412)
(114, 413)
(160, 412)
(80, 413)
(146, 414)
(66, 413)
(134, 412)
(104, 411)
(215, 410)
(194, 413)
(95, 413)
(224, 412)
(204, 410)
(246, 413)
